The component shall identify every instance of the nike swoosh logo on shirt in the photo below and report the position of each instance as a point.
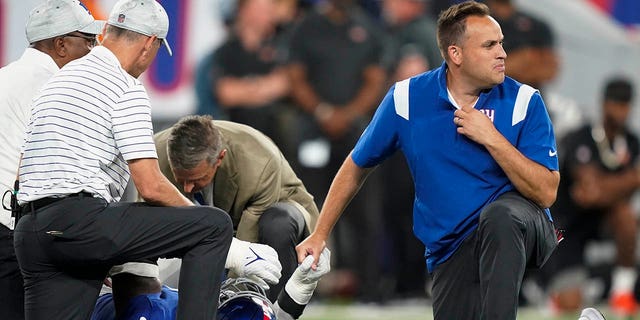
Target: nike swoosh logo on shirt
(553, 153)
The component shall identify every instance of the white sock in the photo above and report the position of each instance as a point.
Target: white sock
(623, 279)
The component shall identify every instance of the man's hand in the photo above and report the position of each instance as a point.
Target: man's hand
(311, 246)
(475, 125)
(255, 261)
(303, 281)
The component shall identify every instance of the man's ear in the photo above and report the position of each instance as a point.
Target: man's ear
(455, 54)
(148, 45)
(59, 47)
(222, 154)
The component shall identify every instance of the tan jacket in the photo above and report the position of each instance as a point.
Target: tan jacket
(253, 176)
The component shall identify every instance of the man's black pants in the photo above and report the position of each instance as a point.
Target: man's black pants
(11, 286)
(482, 279)
(65, 250)
(282, 227)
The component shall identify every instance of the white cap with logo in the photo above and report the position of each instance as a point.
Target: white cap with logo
(142, 16)
(54, 18)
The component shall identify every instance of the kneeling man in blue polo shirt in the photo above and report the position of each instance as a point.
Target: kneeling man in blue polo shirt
(482, 152)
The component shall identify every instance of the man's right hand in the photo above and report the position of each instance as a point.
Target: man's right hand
(311, 246)
(255, 261)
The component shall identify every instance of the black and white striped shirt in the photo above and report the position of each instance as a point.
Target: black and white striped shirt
(88, 120)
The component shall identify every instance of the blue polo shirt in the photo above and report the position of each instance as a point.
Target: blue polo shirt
(454, 177)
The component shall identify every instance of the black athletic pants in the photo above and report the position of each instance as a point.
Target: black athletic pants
(482, 279)
(66, 248)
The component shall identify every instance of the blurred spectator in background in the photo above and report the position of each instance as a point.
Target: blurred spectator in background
(412, 38)
(287, 13)
(249, 79)
(529, 43)
(600, 174)
(412, 48)
(337, 79)
(206, 102)
(203, 76)
(532, 59)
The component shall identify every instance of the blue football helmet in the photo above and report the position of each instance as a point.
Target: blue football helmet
(243, 299)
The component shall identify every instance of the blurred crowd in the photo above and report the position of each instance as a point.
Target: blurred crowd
(310, 73)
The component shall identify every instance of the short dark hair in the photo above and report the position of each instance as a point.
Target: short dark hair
(451, 23)
(619, 90)
(193, 139)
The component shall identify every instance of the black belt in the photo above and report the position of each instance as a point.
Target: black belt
(34, 205)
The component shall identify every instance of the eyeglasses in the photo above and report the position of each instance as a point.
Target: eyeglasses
(93, 40)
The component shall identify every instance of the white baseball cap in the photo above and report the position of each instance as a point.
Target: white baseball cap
(142, 16)
(54, 18)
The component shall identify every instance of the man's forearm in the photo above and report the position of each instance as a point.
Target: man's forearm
(531, 179)
(344, 187)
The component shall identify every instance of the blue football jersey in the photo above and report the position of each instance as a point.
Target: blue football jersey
(155, 306)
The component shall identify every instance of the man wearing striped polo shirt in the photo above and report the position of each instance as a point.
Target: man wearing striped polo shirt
(90, 131)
